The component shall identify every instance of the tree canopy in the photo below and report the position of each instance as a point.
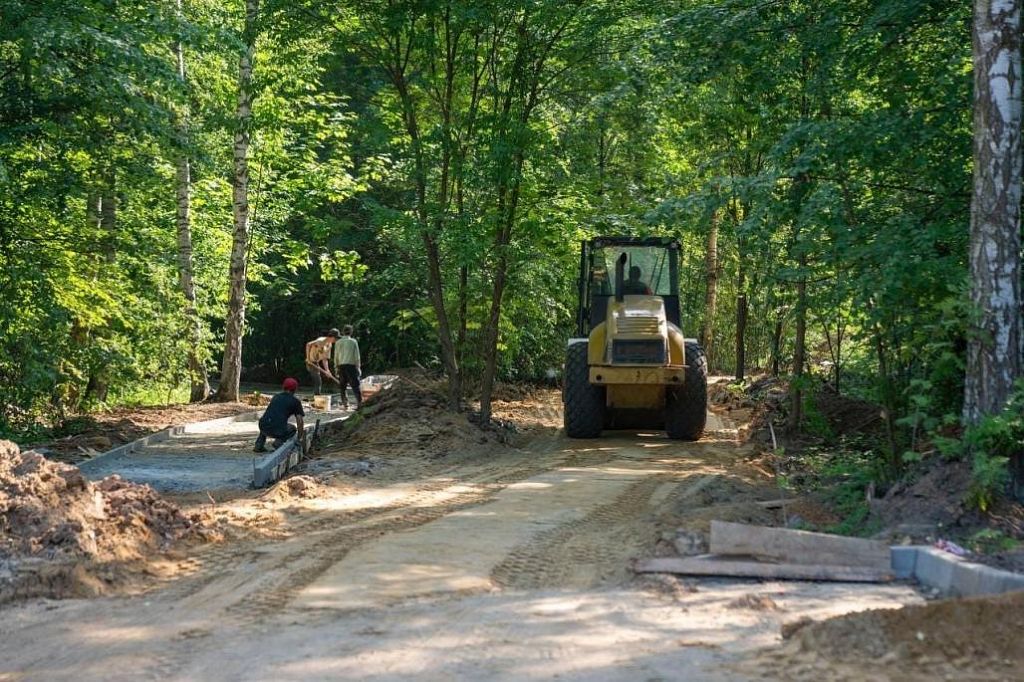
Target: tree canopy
(426, 169)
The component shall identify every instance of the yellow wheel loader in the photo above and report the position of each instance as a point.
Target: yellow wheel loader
(629, 365)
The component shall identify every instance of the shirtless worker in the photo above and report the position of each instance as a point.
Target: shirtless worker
(318, 354)
(274, 422)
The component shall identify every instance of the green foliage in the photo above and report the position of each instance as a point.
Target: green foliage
(830, 140)
(991, 443)
(991, 541)
(815, 423)
(843, 473)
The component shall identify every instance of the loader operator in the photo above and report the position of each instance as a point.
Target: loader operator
(635, 285)
(274, 422)
(318, 352)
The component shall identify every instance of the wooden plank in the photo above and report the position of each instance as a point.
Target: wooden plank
(797, 546)
(708, 565)
(777, 504)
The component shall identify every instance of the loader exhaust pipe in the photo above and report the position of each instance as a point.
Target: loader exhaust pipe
(620, 273)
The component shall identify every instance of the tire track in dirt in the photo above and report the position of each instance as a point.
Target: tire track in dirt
(321, 541)
(580, 553)
(597, 550)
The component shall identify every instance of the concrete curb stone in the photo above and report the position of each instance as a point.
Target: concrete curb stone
(950, 574)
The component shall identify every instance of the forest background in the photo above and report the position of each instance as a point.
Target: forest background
(192, 188)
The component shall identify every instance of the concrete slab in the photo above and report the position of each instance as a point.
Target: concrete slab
(212, 455)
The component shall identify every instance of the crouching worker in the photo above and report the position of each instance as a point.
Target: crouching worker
(274, 422)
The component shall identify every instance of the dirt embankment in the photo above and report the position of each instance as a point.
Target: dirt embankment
(62, 535)
(844, 440)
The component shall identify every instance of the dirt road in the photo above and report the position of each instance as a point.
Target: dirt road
(508, 565)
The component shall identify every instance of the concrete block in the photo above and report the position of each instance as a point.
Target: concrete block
(935, 568)
(953, 575)
(972, 579)
(275, 465)
(904, 560)
(270, 468)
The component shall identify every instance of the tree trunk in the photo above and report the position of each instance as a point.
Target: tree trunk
(98, 384)
(741, 304)
(799, 352)
(994, 348)
(108, 218)
(198, 379)
(508, 204)
(711, 295)
(460, 341)
(231, 368)
(507, 216)
(888, 402)
(435, 280)
(777, 345)
(741, 332)
(93, 208)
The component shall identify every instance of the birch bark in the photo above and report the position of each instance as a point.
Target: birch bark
(995, 347)
(200, 382)
(231, 367)
(711, 295)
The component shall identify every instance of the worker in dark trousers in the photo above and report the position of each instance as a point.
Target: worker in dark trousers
(318, 352)
(347, 365)
(274, 422)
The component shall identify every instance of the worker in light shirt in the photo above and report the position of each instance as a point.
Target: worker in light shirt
(347, 365)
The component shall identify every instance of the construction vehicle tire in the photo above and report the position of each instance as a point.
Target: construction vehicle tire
(686, 406)
(583, 413)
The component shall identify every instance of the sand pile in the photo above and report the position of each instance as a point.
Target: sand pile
(52, 516)
(413, 417)
(300, 486)
(977, 639)
(986, 628)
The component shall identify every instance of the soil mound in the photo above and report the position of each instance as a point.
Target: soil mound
(975, 638)
(299, 486)
(56, 526)
(978, 628)
(934, 500)
(413, 417)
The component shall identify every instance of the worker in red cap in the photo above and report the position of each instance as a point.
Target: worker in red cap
(274, 422)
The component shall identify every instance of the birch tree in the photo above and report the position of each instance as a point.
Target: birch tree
(994, 350)
(711, 292)
(200, 383)
(231, 367)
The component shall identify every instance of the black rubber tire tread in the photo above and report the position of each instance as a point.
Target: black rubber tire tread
(583, 409)
(686, 406)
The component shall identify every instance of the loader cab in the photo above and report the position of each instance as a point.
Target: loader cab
(654, 261)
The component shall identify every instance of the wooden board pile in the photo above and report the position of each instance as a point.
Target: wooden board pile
(743, 551)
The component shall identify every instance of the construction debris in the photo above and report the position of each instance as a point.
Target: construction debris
(797, 546)
(781, 553)
(710, 565)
